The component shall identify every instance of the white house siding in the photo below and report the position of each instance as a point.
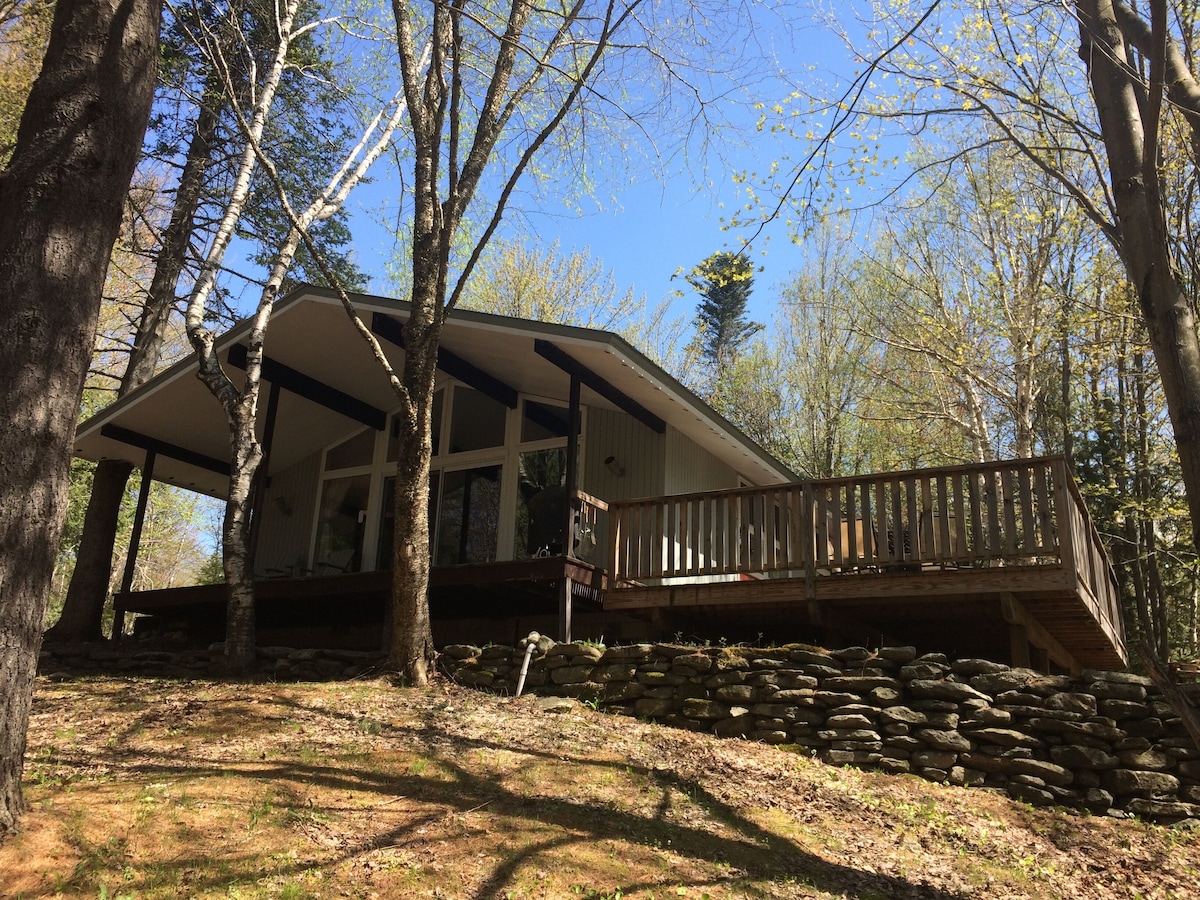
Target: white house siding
(288, 516)
(689, 467)
(636, 449)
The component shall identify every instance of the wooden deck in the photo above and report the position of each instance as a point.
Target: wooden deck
(349, 608)
(979, 556)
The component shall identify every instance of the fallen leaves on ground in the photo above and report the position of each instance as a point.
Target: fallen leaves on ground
(159, 788)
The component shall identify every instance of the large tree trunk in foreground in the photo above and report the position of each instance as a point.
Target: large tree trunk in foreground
(62, 196)
(411, 653)
(1143, 246)
(236, 557)
(83, 609)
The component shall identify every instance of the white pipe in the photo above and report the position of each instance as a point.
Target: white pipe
(530, 644)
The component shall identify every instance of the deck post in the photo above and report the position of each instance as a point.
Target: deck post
(1040, 646)
(571, 477)
(1065, 520)
(808, 541)
(565, 589)
(1019, 647)
(135, 540)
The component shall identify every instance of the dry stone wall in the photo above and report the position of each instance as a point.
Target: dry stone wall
(1105, 742)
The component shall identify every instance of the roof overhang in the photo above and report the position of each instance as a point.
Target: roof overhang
(312, 341)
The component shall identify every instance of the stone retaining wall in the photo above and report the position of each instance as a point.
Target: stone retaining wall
(174, 660)
(1106, 742)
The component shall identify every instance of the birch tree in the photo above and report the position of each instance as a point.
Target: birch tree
(196, 133)
(240, 403)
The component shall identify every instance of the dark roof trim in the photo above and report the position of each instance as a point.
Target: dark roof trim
(597, 383)
(163, 448)
(450, 363)
(311, 389)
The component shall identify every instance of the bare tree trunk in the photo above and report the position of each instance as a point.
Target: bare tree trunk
(411, 654)
(62, 195)
(235, 536)
(1143, 247)
(83, 609)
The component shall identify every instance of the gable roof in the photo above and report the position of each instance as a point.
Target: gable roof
(311, 335)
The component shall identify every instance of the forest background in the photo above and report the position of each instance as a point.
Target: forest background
(931, 294)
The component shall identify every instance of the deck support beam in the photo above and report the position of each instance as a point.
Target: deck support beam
(570, 507)
(1040, 646)
(450, 363)
(573, 367)
(135, 540)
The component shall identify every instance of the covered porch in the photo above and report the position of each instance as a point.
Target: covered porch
(351, 610)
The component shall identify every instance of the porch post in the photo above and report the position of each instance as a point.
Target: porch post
(260, 481)
(571, 489)
(135, 539)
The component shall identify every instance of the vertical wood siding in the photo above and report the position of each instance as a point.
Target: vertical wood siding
(639, 451)
(690, 468)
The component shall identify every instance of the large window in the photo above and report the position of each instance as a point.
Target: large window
(341, 524)
(468, 516)
(496, 491)
(541, 499)
(476, 421)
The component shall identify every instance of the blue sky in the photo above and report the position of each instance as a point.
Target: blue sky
(647, 230)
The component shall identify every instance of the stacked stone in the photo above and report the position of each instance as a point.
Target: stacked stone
(135, 657)
(563, 670)
(1105, 742)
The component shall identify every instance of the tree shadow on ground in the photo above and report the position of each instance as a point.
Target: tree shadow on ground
(718, 832)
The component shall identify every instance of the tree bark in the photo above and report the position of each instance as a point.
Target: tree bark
(235, 536)
(62, 195)
(83, 609)
(1144, 252)
(411, 651)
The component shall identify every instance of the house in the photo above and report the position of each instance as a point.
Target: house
(578, 488)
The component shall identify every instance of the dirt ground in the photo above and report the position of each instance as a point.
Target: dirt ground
(165, 789)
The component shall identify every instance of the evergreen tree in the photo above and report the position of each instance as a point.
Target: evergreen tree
(724, 281)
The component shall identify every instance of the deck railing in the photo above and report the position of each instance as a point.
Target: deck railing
(1019, 513)
(590, 526)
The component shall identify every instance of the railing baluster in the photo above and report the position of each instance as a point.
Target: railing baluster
(852, 550)
(926, 551)
(1029, 537)
(837, 557)
(868, 523)
(1011, 538)
(962, 549)
(822, 512)
(1049, 540)
(912, 538)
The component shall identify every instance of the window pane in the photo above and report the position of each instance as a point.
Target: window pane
(387, 517)
(340, 525)
(476, 422)
(541, 421)
(435, 427)
(540, 497)
(355, 451)
(469, 518)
